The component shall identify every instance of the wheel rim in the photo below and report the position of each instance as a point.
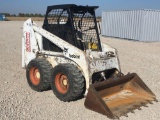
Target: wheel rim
(61, 82)
(34, 75)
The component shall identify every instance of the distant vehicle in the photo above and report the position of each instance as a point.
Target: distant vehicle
(2, 17)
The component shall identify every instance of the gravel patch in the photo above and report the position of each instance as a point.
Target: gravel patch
(19, 102)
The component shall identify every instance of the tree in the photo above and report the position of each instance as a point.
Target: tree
(21, 15)
(6, 14)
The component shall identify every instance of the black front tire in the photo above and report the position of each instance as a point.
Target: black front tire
(67, 82)
(38, 74)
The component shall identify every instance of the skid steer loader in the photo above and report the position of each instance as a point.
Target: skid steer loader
(66, 55)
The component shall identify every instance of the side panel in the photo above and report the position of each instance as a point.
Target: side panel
(29, 43)
(107, 48)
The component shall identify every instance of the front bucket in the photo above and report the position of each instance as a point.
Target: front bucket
(118, 96)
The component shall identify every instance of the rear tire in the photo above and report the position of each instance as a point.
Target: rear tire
(38, 74)
(67, 82)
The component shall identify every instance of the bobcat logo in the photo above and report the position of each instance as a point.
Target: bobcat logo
(65, 50)
(74, 56)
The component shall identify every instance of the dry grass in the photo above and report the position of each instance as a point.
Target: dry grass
(24, 18)
(33, 18)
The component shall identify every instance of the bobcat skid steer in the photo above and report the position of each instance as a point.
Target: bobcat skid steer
(66, 55)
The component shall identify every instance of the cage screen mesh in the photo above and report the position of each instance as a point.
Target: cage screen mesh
(84, 24)
(75, 26)
(57, 16)
(85, 29)
(60, 25)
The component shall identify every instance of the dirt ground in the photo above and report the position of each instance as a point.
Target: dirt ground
(19, 102)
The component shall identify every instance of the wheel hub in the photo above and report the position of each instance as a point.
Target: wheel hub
(38, 75)
(65, 82)
(34, 75)
(61, 83)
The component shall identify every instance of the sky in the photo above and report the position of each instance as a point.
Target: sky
(40, 6)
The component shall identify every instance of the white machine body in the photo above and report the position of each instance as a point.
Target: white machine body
(87, 61)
